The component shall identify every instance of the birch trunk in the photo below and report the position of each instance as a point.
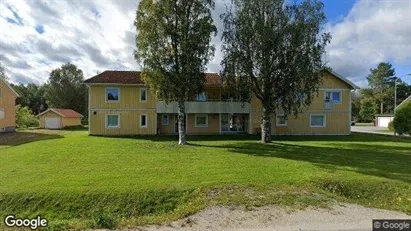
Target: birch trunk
(181, 120)
(266, 126)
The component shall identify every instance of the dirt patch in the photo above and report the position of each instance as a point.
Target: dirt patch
(338, 217)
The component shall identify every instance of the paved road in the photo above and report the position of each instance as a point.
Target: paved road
(371, 129)
(339, 217)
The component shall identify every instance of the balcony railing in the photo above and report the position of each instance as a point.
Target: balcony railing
(205, 107)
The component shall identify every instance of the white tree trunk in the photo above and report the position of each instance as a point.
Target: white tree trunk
(181, 120)
(266, 126)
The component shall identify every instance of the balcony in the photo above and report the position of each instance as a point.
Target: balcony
(207, 107)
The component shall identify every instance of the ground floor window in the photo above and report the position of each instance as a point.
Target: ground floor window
(317, 120)
(281, 120)
(201, 121)
(143, 121)
(165, 120)
(112, 121)
(1, 113)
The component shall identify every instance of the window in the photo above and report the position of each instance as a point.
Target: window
(281, 120)
(201, 121)
(1, 92)
(317, 120)
(333, 96)
(112, 121)
(1, 113)
(202, 97)
(143, 121)
(165, 120)
(112, 94)
(143, 94)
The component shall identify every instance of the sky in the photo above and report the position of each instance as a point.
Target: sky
(96, 35)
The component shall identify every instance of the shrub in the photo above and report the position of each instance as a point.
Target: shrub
(25, 118)
(391, 126)
(402, 119)
(75, 128)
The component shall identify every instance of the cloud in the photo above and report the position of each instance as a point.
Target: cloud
(372, 32)
(97, 35)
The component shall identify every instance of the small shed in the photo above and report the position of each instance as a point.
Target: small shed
(55, 118)
(382, 120)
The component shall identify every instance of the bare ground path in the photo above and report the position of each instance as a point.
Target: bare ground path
(338, 217)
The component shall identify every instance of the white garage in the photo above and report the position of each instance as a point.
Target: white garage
(383, 120)
(52, 123)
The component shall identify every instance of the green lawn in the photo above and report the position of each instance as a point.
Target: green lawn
(80, 181)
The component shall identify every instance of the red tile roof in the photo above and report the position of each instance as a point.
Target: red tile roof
(67, 113)
(133, 77)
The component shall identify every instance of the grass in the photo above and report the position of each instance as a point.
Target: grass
(79, 181)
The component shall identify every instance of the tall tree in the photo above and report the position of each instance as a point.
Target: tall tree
(381, 80)
(65, 89)
(173, 47)
(3, 73)
(275, 49)
(31, 96)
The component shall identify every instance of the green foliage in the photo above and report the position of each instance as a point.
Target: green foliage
(75, 128)
(391, 126)
(402, 119)
(275, 50)
(173, 47)
(25, 118)
(31, 96)
(381, 81)
(2, 73)
(101, 220)
(65, 89)
(368, 109)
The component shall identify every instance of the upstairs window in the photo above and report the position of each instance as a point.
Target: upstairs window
(333, 96)
(143, 95)
(202, 97)
(112, 94)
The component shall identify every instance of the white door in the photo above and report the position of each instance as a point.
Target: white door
(383, 121)
(52, 123)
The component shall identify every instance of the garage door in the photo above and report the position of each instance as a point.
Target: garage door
(52, 123)
(383, 121)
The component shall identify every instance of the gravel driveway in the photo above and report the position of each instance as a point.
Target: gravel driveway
(339, 217)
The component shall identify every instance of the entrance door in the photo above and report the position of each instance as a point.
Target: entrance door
(232, 123)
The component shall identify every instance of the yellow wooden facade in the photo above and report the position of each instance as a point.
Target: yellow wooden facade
(7, 107)
(130, 108)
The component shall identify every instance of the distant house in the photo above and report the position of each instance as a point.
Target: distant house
(55, 118)
(7, 107)
(120, 103)
(382, 120)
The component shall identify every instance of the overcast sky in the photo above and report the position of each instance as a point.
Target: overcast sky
(96, 35)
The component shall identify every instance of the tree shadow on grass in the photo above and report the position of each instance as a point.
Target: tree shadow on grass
(389, 162)
(19, 138)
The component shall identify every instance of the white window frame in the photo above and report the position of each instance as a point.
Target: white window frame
(4, 114)
(106, 95)
(113, 127)
(331, 98)
(162, 119)
(318, 126)
(145, 89)
(281, 125)
(200, 126)
(141, 120)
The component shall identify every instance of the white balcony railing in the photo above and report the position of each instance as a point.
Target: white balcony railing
(204, 107)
